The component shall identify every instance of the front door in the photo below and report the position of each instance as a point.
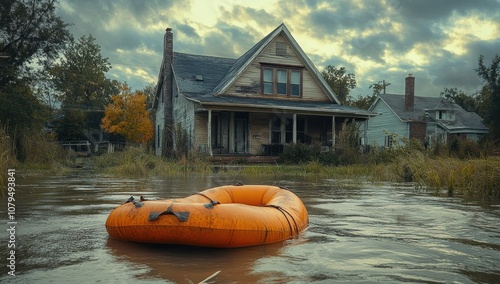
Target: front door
(240, 132)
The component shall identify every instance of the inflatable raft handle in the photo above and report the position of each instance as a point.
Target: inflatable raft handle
(182, 216)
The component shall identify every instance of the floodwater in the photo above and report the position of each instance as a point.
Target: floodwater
(359, 232)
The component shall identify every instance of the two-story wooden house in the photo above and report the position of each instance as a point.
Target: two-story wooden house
(271, 96)
(429, 119)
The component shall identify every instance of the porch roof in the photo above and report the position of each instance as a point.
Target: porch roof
(270, 105)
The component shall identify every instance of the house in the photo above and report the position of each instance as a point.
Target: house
(268, 98)
(429, 119)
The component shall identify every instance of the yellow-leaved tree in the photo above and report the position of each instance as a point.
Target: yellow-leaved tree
(127, 115)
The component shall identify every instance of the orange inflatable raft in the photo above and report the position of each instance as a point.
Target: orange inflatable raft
(226, 216)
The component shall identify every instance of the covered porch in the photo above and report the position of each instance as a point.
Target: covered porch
(262, 133)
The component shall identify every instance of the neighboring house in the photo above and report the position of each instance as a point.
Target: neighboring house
(429, 119)
(257, 104)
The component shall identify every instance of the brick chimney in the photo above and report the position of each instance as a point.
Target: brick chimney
(409, 93)
(168, 45)
(168, 57)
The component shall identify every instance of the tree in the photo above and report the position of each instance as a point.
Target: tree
(80, 79)
(150, 91)
(29, 31)
(461, 98)
(339, 81)
(363, 102)
(31, 38)
(127, 115)
(70, 125)
(380, 87)
(491, 76)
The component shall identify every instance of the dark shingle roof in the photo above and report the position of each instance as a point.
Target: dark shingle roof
(217, 73)
(277, 104)
(463, 118)
(212, 70)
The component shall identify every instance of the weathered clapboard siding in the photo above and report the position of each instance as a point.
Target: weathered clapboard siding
(184, 115)
(248, 84)
(159, 128)
(201, 131)
(385, 123)
(259, 133)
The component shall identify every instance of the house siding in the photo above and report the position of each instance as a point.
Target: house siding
(248, 84)
(386, 122)
(259, 132)
(201, 132)
(184, 115)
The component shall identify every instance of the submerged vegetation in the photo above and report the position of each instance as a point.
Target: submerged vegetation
(139, 161)
(461, 168)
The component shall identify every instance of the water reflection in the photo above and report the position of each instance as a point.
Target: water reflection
(359, 232)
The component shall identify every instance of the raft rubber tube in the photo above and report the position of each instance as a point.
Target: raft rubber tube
(224, 217)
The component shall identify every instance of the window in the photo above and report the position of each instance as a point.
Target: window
(295, 83)
(158, 137)
(268, 81)
(275, 130)
(282, 81)
(445, 115)
(282, 130)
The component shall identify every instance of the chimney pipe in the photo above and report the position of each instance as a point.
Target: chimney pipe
(409, 93)
(168, 45)
(167, 90)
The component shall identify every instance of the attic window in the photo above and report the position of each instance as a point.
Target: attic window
(281, 48)
(198, 78)
(281, 81)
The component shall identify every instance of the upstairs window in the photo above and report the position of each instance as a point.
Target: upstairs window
(281, 81)
(267, 81)
(445, 115)
(295, 79)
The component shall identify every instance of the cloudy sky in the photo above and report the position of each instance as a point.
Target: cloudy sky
(438, 41)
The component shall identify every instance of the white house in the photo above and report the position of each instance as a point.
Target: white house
(431, 119)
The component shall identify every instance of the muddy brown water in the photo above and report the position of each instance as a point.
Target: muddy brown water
(359, 232)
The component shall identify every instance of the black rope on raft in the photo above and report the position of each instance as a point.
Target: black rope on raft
(212, 202)
(284, 212)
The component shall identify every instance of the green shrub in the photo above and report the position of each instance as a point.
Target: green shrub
(299, 153)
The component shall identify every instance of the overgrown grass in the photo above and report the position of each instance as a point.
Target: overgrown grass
(7, 158)
(138, 161)
(40, 155)
(476, 178)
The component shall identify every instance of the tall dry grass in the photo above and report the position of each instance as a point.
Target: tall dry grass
(7, 158)
(477, 178)
(139, 161)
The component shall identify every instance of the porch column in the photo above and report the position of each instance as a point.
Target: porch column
(294, 131)
(365, 134)
(231, 132)
(333, 132)
(209, 134)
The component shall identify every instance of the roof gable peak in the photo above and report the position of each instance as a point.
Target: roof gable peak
(248, 57)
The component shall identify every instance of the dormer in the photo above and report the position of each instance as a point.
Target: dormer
(445, 114)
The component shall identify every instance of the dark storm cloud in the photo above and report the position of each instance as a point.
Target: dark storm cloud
(370, 35)
(188, 31)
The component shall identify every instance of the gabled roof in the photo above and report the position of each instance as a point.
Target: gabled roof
(204, 79)
(423, 105)
(246, 59)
